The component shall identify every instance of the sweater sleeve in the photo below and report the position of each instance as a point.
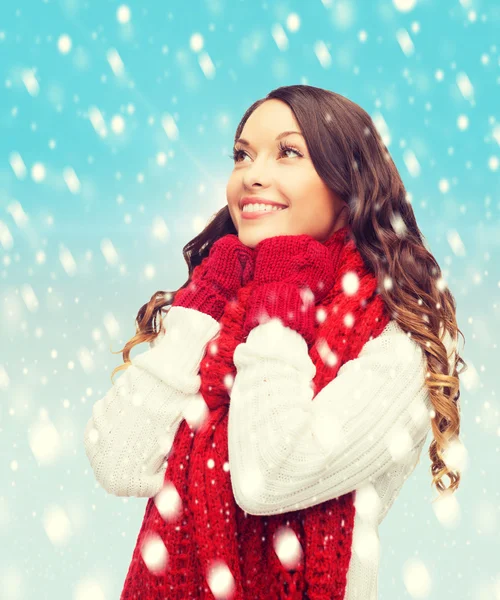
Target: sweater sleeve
(288, 451)
(133, 426)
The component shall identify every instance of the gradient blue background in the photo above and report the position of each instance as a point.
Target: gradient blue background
(79, 260)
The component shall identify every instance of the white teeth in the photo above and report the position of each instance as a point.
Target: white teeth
(261, 207)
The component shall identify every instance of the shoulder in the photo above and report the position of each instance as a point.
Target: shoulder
(395, 345)
(391, 349)
(161, 319)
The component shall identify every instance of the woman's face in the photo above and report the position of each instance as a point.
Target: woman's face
(285, 176)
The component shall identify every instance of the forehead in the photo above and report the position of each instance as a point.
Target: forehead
(268, 120)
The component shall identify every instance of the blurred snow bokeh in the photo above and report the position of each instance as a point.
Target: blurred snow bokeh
(117, 122)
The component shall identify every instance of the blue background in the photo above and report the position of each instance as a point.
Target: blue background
(93, 221)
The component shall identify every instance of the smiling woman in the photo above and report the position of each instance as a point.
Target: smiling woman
(287, 395)
(275, 167)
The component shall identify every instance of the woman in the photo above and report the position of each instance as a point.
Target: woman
(290, 388)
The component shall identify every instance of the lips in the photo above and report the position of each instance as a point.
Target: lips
(257, 214)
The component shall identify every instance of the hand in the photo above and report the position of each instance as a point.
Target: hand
(230, 264)
(214, 282)
(295, 259)
(291, 275)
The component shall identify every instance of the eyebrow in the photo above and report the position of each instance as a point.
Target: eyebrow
(278, 137)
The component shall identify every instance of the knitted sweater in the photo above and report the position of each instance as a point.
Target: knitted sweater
(132, 428)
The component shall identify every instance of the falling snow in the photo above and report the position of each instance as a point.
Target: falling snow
(116, 123)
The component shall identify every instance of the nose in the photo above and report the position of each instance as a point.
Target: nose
(258, 172)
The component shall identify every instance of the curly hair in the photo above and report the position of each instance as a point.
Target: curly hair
(351, 158)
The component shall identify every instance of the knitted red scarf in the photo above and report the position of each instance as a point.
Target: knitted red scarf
(177, 555)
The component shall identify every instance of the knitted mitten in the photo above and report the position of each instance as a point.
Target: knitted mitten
(218, 278)
(292, 273)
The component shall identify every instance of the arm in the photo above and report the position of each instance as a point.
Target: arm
(288, 451)
(133, 426)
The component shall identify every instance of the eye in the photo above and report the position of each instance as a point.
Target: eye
(284, 148)
(237, 152)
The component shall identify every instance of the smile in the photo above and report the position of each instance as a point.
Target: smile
(256, 214)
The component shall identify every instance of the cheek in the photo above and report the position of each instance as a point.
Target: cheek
(232, 205)
(307, 216)
(232, 192)
(233, 215)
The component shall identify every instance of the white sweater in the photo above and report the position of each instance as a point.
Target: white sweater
(363, 431)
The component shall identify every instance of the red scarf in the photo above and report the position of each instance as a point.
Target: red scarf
(210, 530)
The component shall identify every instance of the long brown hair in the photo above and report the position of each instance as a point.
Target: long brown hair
(351, 158)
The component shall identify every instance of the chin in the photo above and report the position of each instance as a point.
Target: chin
(252, 238)
(248, 241)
